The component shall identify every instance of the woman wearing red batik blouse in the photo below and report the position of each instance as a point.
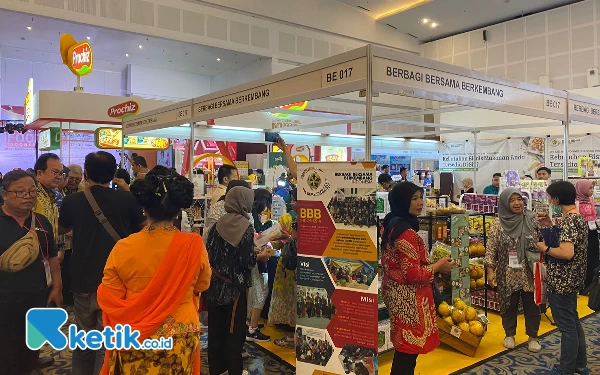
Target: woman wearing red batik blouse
(407, 280)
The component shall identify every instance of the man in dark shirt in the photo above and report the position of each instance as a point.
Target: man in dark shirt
(26, 288)
(92, 244)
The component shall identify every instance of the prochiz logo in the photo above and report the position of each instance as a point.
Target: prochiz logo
(123, 110)
(81, 58)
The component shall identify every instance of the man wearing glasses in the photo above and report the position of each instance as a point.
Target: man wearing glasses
(74, 180)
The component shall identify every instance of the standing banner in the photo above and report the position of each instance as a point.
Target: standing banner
(337, 282)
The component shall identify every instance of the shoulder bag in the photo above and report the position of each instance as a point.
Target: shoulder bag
(100, 215)
(23, 252)
(594, 294)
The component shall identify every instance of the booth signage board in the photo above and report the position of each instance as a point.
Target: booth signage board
(587, 146)
(277, 158)
(347, 72)
(81, 59)
(49, 139)
(124, 110)
(242, 168)
(112, 138)
(337, 267)
(581, 111)
(425, 78)
(29, 103)
(162, 119)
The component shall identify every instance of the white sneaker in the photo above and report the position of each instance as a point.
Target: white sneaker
(509, 342)
(534, 346)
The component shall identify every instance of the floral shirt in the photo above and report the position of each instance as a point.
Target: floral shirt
(408, 294)
(509, 280)
(568, 276)
(46, 206)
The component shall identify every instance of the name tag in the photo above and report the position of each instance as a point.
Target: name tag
(592, 225)
(513, 260)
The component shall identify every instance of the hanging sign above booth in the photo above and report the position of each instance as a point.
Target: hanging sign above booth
(78, 57)
(29, 103)
(112, 138)
(124, 110)
(49, 139)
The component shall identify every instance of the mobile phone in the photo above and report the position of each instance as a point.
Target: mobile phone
(271, 137)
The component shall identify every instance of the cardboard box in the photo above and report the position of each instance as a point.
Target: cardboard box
(456, 338)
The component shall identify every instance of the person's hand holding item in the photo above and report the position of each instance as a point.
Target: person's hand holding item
(444, 265)
(264, 255)
(121, 184)
(491, 277)
(544, 219)
(281, 144)
(541, 246)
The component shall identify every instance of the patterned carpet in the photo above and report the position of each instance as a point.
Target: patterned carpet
(260, 362)
(522, 362)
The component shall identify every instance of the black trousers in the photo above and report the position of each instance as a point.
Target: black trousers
(531, 311)
(15, 357)
(593, 257)
(224, 347)
(66, 279)
(271, 270)
(404, 364)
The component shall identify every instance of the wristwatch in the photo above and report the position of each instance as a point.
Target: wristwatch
(548, 249)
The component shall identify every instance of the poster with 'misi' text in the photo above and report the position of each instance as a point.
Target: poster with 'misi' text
(336, 326)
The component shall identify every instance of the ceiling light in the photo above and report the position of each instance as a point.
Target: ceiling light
(411, 5)
(88, 37)
(185, 125)
(424, 140)
(28, 27)
(425, 20)
(434, 25)
(218, 59)
(391, 139)
(126, 55)
(298, 132)
(346, 135)
(140, 46)
(236, 128)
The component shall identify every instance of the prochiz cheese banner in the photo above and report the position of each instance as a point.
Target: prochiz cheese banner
(337, 309)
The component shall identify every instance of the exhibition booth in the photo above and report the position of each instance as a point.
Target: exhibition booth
(386, 99)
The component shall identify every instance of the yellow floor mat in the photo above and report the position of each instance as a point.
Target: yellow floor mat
(444, 360)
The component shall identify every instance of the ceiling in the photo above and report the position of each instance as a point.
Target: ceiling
(452, 16)
(40, 44)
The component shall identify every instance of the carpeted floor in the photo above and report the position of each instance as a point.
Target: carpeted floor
(260, 361)
(521, 362)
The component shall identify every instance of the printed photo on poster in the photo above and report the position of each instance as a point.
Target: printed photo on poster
(315, 308)
(165, 158)
(355, 274)
(312, 346)
(353, 207)
(358, 360)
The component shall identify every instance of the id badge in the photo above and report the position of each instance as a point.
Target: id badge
(513, 260)
(592, 225)
(48, 274)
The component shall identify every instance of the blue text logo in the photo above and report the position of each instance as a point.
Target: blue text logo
(44, 326)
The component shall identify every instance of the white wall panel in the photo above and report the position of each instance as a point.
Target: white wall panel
(257, 70)
(153, 83)
(562, 43)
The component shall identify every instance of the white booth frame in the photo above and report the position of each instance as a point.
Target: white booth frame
(373, 70)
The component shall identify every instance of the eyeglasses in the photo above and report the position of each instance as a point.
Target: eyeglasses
(22, 194)
(57, 173)
(74, 179)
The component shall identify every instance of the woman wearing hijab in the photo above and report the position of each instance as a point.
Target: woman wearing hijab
(232, 257)
(217, 210)
(510, 254)
(587, 208)
(468, 185)
(407, 280)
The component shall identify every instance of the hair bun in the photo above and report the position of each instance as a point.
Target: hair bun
(180, 192)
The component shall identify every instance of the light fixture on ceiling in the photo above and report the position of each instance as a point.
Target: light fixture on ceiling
(28, 27)
(236, 128)
(218, 59)
(140, 46)
(88, 37)
(346, 135)
(298, 132)
(425, 20)
(434, 25)
(391, 139)
(411, 5)
(126, 55)
(424, 140)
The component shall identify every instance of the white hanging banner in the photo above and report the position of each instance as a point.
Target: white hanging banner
(585, 146)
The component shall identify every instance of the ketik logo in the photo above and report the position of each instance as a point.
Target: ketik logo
(123, 110)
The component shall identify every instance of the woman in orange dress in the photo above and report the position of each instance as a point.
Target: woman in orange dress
(407, 280)
(152, 279)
